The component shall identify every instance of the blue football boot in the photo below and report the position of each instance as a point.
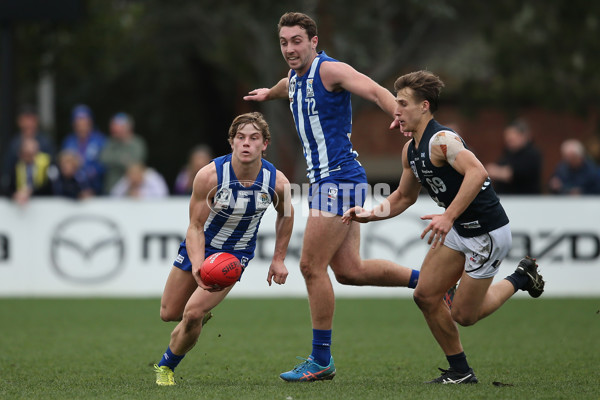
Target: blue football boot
(308, 371)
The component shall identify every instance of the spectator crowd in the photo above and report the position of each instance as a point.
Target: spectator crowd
(519, 169)
(88, 163)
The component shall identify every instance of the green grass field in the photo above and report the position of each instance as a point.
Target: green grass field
(104, 348)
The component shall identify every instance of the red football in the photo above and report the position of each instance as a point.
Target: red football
(221, 269)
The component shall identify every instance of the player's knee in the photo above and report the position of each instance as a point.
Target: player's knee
(346, 277)
(168, 314)
(347, 274)
(462, 318)
(165, 316)
(343, 278)
(423, 301)
(305, 270)
(192, 319)
(308, 270)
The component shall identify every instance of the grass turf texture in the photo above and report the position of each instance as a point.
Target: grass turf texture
(105, 348)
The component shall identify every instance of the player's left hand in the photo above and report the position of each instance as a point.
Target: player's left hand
(439, 226)
(277, 273)
(212, 289)
(357, 214)
(261, 94)
(200, 282)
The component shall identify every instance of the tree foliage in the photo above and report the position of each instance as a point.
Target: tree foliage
(541, 53)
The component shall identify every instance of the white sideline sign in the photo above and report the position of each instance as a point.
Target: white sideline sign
(106, 247)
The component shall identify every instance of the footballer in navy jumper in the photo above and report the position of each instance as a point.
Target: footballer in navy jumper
(468, 240)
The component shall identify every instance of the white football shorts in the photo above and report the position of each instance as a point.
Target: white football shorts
(483, 253)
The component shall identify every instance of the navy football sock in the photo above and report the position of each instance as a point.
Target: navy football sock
(458, 362)
(518, 281)
(170, 360)
(321, 346)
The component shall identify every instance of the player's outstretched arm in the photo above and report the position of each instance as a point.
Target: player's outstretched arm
(339, 75)
(204, 186)
(279, 91)
(396, 203)
(284, 226)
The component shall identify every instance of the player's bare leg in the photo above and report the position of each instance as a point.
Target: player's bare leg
(475, 299)
(441, 269)
(350, 269)
(327, 241)
(186, 333)
(179, 288)
(323, 236)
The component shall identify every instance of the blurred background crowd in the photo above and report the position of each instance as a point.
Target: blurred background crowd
(89, 162)
(129, 98)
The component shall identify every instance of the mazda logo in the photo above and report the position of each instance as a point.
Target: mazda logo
(87, 249)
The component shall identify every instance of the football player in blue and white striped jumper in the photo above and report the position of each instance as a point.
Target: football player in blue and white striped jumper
(229, 198)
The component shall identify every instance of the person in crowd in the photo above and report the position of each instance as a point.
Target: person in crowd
(122, 149)
(88, 142)
(29, 127)
(575, 174)
(140, 182)
(67, 179)
(519, 169)
(592, 147)
(198, 158)
(29, 175)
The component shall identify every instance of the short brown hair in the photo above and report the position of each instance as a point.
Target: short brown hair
(254, 118)
(520, 126)
(425, 85)
(298, 19)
